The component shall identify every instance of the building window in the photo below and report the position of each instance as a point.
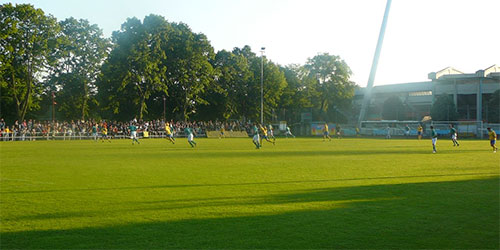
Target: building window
(420, 93)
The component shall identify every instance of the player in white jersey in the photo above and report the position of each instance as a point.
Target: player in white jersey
(288, 132)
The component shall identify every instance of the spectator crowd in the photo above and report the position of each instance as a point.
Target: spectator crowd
(67, 130)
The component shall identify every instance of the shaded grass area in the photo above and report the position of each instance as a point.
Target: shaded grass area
(224, 194)
(462, 214)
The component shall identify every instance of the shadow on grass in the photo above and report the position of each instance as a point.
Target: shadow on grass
(459, 214)
(249, 183)
(270, 151)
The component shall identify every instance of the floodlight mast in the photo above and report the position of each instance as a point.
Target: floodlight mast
(368, 90)
(262, 50)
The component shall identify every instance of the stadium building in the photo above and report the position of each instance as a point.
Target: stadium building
(470, 91)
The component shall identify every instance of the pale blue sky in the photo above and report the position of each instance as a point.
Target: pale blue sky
(421, 36)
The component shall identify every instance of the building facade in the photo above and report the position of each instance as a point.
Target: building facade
(470, 92)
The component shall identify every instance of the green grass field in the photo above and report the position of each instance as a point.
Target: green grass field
(301, 193)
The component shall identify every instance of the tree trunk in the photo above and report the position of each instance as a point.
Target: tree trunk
(184, 107)
(142, 106)
(85, 99)
(83, 107)
(18, 103)
(25, 101)
(184, 112)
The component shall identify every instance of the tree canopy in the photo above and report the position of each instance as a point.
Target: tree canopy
(494, 108)
(152, 68)
(444, 109)
(29, 39)
(82, 50)
(333, 88)
(393, 109)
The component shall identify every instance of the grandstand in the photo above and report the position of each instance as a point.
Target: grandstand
(467, 89)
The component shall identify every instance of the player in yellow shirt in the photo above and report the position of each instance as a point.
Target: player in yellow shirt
(6, 134)
(168, 131)
(104, 134)
(263, 129)
(420, 131)
(222, 130)
(326, 133)
(493, 139)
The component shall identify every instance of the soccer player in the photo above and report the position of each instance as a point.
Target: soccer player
(338, 131)
(407, 131)
(434, 137)
(263, 129)
(104, 134)
(94, 131)
(326, 133)
(114, 131)
(271, 133)
(420, 131)
(168, 131)
(288, 132)
(256, 138)
(111, 132)
(189, 132)
(388, 132)
(222, 130)
(493, 139)
(453, 134)
(133, 133)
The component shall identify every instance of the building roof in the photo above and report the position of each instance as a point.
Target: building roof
(397, 88)
(452, 73)
(445, 71)
(442, 76)
(492, 71)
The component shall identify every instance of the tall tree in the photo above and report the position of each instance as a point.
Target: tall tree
(444, 109)
(248, 98)
(190, 72)
(28, 40)
(299, 92)
(494, 107)
(80, 57)
(135, 68)
(231, 73)
(333, 82)
(393, 109)
(274, 83)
